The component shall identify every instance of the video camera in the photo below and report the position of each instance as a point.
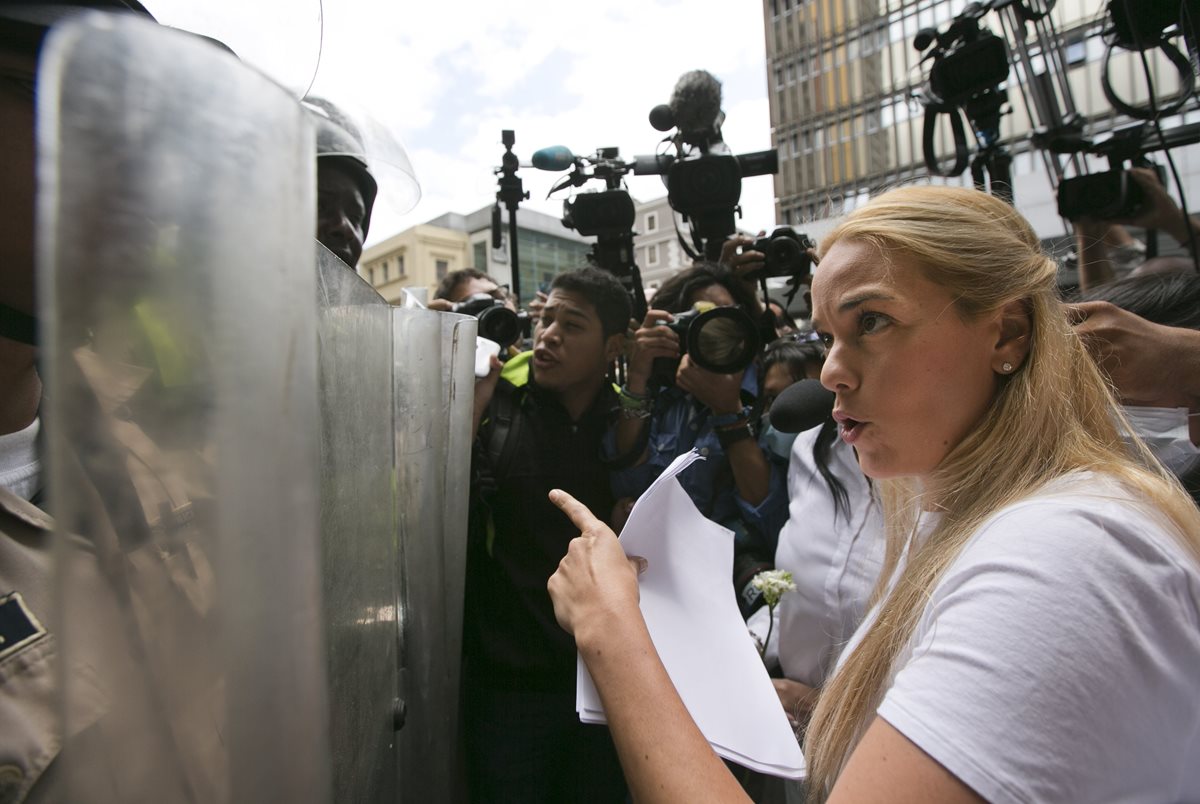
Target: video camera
(703, 177)
(496, 321)
(1112, 194)
(968, 61)
(968, 64)
(608, 215)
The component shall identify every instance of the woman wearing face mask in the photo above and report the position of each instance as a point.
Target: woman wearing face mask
(1036, 634)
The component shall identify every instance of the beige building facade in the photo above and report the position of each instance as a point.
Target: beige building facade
(414, 260)
(656, 247)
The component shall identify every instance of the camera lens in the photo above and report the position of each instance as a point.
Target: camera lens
(723, 340)
(501, 325)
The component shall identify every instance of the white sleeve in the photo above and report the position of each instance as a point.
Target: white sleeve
(1059, 660)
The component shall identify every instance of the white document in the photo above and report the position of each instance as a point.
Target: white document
(688, 601)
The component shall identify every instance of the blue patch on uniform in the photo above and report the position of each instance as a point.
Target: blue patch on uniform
(18, 626)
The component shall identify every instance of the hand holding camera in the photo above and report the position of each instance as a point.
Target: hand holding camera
(720, 393)
(650, 342)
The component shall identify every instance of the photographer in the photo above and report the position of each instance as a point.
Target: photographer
(464, 283)
(738, 485)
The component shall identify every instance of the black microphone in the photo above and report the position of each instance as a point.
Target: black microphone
(696, 105)
(555, 158)
(662, 118)
(802, 406)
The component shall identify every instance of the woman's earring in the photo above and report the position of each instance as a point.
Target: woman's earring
(1007, 367)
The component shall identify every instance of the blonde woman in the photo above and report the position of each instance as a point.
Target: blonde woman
(1037, 630)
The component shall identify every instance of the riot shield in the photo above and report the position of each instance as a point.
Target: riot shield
(434, 382)
(358, 531)
(177, 300)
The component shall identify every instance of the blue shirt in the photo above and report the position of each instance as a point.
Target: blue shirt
(681, 423)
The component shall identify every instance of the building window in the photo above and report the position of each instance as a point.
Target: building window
(481, 255)
(384, 270)
(652, 254)
(443, 268)
(1076, 53)
(651, 221)
(371, 274)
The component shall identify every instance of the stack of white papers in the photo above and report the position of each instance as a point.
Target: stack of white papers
(688, 601)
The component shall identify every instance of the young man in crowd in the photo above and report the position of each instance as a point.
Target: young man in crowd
(541, 423)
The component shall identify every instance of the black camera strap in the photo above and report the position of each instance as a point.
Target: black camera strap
(1187, 85)
(961, 150)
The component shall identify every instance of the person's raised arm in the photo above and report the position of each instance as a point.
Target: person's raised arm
(1136, 354)
(665, 757)
(1095, 267)
(721, 393)
(737, 256)
(1161, 211)
(649, 342)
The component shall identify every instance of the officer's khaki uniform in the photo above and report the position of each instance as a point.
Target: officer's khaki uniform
(144, 698)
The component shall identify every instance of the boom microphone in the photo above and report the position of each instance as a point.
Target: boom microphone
(802, 406)
(556, 158)
(696, 106)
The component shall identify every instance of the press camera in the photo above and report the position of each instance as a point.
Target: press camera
(496, 321)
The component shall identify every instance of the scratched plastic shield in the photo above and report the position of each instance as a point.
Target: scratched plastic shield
(177, 304)
(358, 531)
(434, 383)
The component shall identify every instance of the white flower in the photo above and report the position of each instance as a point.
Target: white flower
(774, 584)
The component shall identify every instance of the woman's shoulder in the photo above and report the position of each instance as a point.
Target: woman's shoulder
(1085, 528)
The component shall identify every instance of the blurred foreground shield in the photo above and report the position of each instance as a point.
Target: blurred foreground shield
(176, 209)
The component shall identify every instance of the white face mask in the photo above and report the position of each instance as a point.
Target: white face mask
(1165, 431)
(778, 442)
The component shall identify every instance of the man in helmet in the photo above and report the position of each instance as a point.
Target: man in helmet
(346, 189)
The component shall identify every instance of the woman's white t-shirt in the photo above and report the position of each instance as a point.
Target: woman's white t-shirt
(1058, 659)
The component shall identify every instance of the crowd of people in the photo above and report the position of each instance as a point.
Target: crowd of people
(994, 535)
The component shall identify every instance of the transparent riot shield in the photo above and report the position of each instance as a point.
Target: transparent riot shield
(434, 373)
(177, 303)
(358, 531)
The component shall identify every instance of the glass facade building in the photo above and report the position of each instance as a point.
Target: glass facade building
(840, 74)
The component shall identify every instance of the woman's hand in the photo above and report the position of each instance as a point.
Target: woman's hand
(596, 583)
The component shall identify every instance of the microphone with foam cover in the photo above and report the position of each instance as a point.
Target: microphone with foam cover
(696, 103)
(802, 406)
(556, 158)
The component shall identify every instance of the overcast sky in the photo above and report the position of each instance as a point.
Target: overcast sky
(448, 76)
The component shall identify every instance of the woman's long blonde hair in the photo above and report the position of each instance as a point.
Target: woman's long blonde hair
(1056, 414)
